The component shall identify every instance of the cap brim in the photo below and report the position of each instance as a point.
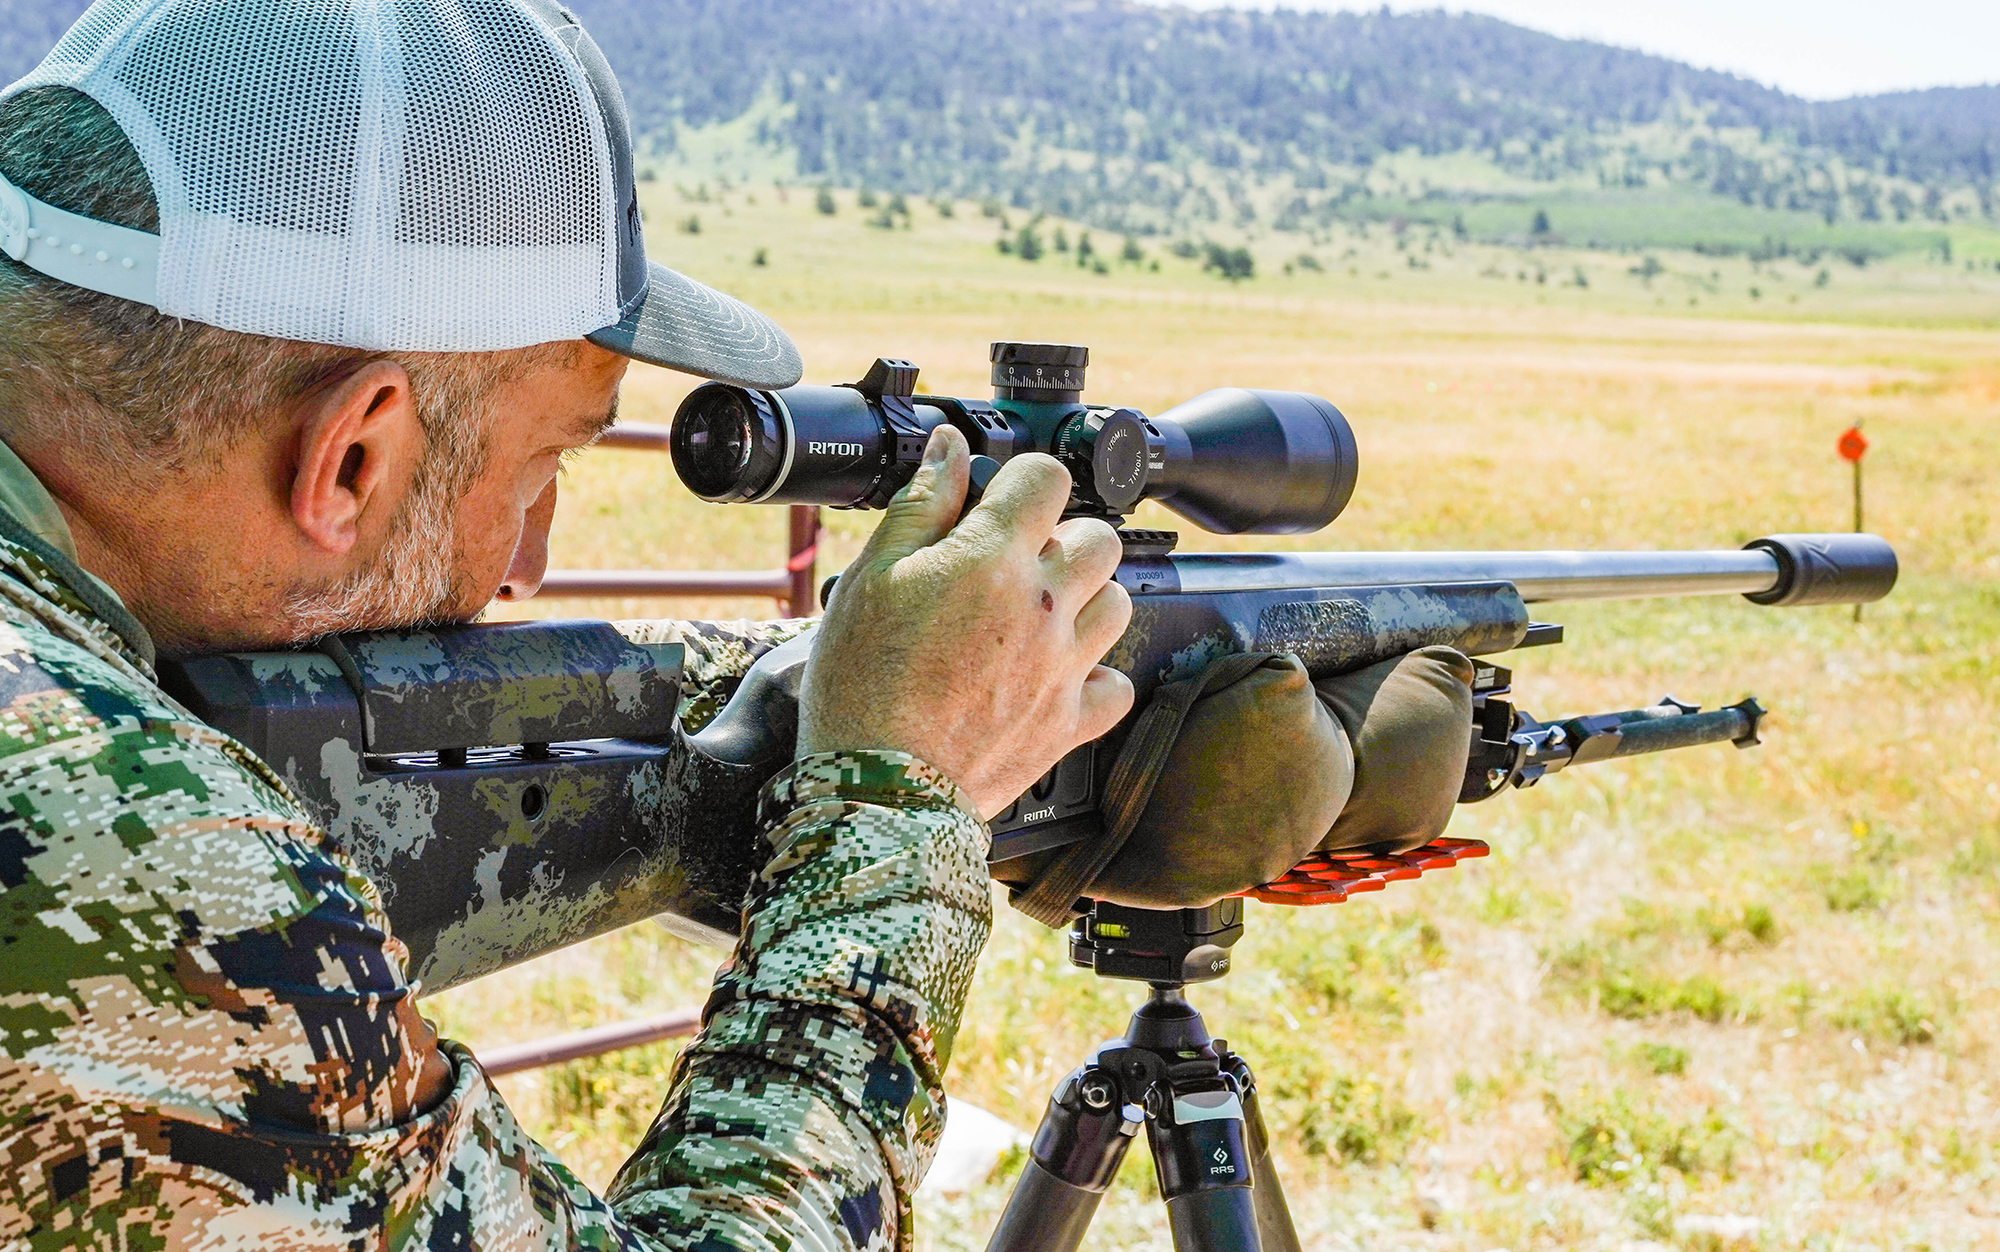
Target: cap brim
(685, 325)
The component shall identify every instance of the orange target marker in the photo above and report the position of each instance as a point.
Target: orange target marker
(1852, 447)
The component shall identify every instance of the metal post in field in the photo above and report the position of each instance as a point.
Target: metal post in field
(804, 561)
(1853, 446)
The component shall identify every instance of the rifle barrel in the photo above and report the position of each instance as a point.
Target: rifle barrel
(1783, 569)
(1539, 576)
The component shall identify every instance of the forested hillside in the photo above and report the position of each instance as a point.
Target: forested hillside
(1152, 118)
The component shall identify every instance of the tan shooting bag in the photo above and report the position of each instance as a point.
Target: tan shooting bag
(1230, 778)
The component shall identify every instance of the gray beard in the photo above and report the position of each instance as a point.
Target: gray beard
(414, 583)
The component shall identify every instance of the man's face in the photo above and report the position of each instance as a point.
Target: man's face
(503, 521)
(464, 534)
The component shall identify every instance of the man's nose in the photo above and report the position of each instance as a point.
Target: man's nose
(531, 553)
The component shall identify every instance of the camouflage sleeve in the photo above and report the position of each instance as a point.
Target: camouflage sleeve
(806, 1112)
(208, 1038)
(717, 656)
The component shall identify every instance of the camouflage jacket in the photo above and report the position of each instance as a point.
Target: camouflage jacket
(208, 1036)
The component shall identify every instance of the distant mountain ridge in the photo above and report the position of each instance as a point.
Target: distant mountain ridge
(1156, 118)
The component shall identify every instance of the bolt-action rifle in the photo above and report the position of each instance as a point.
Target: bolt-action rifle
(516, 788)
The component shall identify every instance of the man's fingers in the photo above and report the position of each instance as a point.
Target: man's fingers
(1081, 554)
(927, 507)
(1102, 619)
(1025, 500)
(1106, 697)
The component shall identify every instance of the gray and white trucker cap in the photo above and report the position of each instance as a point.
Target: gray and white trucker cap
(390, 175)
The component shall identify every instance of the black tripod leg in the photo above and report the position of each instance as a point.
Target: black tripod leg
(1274, 1217)
(1044, 1214)
(1076, 1153)
(1202, 1157)
(1215, 1221)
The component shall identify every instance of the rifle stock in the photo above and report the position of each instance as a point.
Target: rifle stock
(516, 788)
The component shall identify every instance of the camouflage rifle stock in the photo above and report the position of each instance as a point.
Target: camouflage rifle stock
(517, 788)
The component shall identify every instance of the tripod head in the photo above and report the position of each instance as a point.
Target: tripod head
(1172, 948)
(1161, 947)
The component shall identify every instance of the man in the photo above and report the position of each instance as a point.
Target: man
(303, 304)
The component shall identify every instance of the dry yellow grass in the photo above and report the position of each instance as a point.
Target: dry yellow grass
(1754, 985)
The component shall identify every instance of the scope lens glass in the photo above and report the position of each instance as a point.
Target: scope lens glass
(714, 435)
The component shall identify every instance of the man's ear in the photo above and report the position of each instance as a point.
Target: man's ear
(359, 445)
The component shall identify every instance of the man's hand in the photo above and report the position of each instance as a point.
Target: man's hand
(973, 647)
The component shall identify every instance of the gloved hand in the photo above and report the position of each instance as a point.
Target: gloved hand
(1244, 770)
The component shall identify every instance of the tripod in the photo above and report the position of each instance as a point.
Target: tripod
(1196, 1099)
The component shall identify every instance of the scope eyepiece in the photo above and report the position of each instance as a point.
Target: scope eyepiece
(730, 445)
(803, 445)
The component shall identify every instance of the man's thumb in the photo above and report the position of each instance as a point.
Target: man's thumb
(928, 506)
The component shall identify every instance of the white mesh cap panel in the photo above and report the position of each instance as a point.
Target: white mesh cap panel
(395, 175)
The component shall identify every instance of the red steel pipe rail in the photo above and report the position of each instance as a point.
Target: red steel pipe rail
(792, 584)
(558, 1049)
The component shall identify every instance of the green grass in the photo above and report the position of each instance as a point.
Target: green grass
(1664, 219)
(1766, 975)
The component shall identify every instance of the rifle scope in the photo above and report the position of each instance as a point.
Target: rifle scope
(1231, 461)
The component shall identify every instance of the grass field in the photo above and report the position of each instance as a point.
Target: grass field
(1725, 999)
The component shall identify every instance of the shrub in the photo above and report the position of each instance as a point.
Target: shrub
(1662, 1058)
(1753, 921)
(1346, 1119)
(1851, 891)
(1234, 264)
(1615, 1143)
(1892, 1014)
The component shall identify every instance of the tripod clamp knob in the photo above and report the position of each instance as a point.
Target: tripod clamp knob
(1098, 1092)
